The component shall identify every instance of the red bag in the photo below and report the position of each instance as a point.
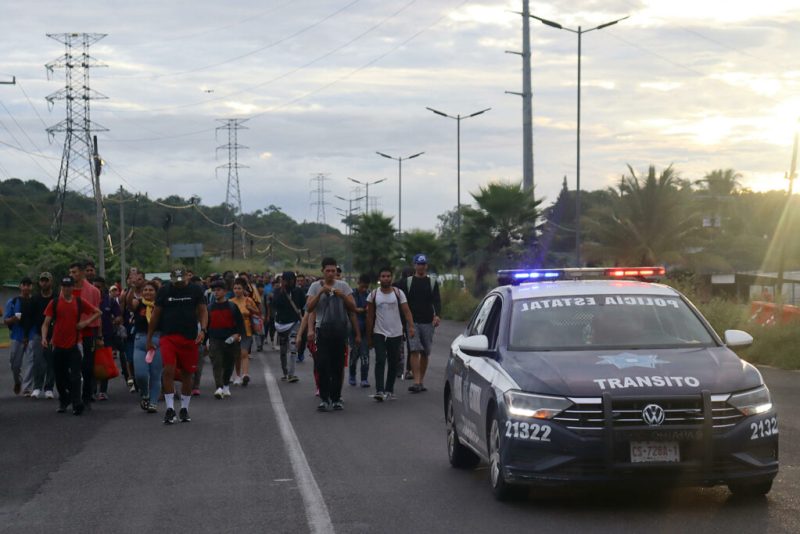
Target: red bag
(104, 366)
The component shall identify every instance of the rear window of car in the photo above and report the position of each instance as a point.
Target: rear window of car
(605, 321)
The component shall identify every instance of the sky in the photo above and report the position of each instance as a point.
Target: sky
(324, 84)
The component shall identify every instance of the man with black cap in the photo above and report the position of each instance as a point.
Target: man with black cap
(69, 315)
(178, 309)
(43, 371)
(426, 305)
(19, 319)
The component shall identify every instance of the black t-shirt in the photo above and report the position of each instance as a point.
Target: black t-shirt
(39, 304)
(178, 309)
(423, 301)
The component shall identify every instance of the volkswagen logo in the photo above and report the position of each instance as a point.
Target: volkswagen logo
(653, 415)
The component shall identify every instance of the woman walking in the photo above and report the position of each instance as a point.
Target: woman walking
(147, 369)
(248, 308)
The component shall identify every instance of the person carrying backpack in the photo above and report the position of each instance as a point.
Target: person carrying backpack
(331, 302)
(69, 315)
(287, 304)
(385, 331)
(426, 305)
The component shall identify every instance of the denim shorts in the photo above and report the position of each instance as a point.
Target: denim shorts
(423, 338)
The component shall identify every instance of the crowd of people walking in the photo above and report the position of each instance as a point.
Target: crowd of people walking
(161, 332)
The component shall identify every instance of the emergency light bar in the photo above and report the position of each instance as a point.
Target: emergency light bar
(518, 276)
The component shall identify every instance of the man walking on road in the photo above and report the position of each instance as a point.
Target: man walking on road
(287, 304)
(69, 316)
(385, 332)
(225, 332)
(19, 318)
(426, 305)
(91, 295)
(179, 308)
(43, 370)
(331, 301)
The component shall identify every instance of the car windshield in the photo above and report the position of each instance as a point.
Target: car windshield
(605, 321)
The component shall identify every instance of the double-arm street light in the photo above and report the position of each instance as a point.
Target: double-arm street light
(366, 184)
(399, 186)
(579, 32)
(458, 119)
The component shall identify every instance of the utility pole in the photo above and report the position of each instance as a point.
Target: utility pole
(784, 226)
(400, 186)
(233, 240)
(233, 194)
(122, 247)
(79, 158)
(527, 99)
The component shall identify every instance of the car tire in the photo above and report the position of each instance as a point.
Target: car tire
(459, 455)
(502, 490)
(745, 489)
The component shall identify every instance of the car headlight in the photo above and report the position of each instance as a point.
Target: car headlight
(537, 406)
(752, 402)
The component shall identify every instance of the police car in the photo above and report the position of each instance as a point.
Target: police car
(601, 376)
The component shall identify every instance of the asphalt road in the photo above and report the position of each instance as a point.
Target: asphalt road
(266, 461)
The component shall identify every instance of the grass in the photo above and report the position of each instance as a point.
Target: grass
(457, 304)
(4, 339)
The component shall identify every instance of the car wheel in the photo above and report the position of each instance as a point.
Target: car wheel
(501, 489)
(744, 489)
(459, 455)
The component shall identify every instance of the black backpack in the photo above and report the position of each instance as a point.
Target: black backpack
(334, 321)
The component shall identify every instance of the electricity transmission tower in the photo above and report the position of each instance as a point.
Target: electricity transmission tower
(233, 195)
(320, 191)
(79, 159)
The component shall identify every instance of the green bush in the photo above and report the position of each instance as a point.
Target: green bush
(776, 345)
(457, 304)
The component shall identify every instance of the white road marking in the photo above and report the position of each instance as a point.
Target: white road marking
(319, 520)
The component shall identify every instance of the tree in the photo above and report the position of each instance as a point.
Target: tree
(501, 232)
(426, 242)
(647, 221)
(374, 244)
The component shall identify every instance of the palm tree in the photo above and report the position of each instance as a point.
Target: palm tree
(501, 232)
(374, 244)
(426, 242)
(647, 221)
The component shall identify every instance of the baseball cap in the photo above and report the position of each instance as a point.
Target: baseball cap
(45, 275)
(178, 274)
(420, 259)
(67, 281)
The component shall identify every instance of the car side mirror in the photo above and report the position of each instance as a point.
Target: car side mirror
(738, 338)
(476, 346)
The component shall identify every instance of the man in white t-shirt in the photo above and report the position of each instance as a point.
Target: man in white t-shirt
(385, 331)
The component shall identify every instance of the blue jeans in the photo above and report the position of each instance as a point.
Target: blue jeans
(148, 375)
(359, 353)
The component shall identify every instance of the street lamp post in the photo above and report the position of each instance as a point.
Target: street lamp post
(366, 184)
(579, 32)
(399, 186)
(350, 211)
(458, 118)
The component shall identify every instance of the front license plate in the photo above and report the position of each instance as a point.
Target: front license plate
(655, 451)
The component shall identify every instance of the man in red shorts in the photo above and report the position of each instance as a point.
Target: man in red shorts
(179, 309)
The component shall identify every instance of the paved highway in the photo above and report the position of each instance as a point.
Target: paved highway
(266, 461)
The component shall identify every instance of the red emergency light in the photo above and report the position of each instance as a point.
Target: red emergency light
(639, 272)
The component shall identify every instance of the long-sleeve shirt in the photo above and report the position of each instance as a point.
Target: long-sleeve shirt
(225, 320)
(26, 326)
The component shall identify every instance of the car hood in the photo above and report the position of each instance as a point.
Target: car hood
(631, 372)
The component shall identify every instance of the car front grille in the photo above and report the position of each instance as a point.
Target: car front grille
(586, 417)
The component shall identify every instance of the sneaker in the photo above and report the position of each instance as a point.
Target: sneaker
(17, 387)
(338, 406)
(237, 381)
(152, 408)
(102, 397)
(409, 375)
(143, 404)
(352, 380)
(379, 396)
(184, 416)
(26, 393)
(245, 380)
(323, 407)
(284, 378)
(226, 392)
(132, 388)
(422, 388)
(49, 395)
(218, 393)
(389, 396)
(169, 416)
(292, 378)
(36, 393)
(196, 392)
(130, 382)
(415, 388)
(365, 383)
